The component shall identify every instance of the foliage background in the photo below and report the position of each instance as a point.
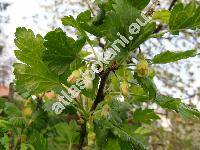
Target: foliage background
(180, 79)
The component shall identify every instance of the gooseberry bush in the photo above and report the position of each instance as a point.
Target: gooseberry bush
(112, 111)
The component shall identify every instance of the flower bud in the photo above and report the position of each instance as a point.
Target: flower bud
(151, 72)
(74, 76)
(108, 99)
(105, 111)
(23, 138)
(27, 102)
(75, 93)
(88, 83)
(140, 56)
(124, 87)
(91, 139)
(143, 68)
(27, 112)
(80, 121)
(89, 126)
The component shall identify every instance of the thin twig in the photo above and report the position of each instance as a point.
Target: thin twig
(88, 4)
(172, 4)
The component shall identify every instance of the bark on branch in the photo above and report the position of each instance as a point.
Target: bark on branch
(103, 76)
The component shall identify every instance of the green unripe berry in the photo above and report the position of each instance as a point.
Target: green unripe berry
(143, 68)
(124, 87)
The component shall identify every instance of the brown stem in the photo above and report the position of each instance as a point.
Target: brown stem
(11, 144)
(82, 135)
(100, 95)
(172, 4)
(39, 101)
(103, 76)
(11, 92)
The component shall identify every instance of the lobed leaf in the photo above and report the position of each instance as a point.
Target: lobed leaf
(61, 51)
(184, 17)
(32, 73)
(68, 131)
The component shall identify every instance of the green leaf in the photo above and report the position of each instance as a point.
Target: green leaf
(143, 130)
(140, 4)
(119, 110)
(17, 121)
(128, 139)
(2, 103)
(188, 112)
(143, 35)
(148, 85)
(11, 110)
(69, 132)
(38, 141)
(168, 56)
(162, 16)
(4, 126)
(105, 4)
(83, 23)
(61, 50)
(69, 21)
(98, 20)
(145, 116)
(35, 79)
(112, 144)
(168, 102)
(132, 129)
(30, 46)
(5, 141)
(176, 105)
(39, 120)
(185, 17)
(119, 19)
(33, 74)
(79, 44)
(22, 91)
(25, 146)
(138, 93)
